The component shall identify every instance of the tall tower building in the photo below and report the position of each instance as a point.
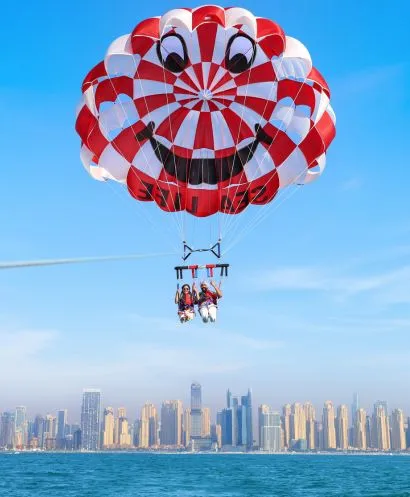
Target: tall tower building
(342, 428)
(62, 421)
(90, 419)
(206, 422)
(246, 433)
(270, 431)
(355, 408)
(297, 425)
(186, 427)
(148, 427)
(329, 432)
(398, 436)
(38, 430)
(360, 431)
(171, 423)
(310, 416)
(109, 426)
(380, 427)
(124, 436)
(20, 428)
(196, 410)
(7, 427)
(286, 412)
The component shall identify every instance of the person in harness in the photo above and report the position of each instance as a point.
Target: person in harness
(186, 301)
(208, 301)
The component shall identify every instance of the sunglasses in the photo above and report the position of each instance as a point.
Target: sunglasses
(185, 288)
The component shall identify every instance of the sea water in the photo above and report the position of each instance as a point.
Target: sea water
(202, 475)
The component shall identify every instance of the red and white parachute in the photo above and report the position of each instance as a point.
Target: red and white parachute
(205, 110)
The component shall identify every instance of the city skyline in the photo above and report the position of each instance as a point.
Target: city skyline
(234, 426)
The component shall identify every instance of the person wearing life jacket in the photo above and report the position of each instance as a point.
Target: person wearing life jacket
(208, 301)
(186, 301)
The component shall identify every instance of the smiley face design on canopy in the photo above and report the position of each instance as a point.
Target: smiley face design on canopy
(205, 110)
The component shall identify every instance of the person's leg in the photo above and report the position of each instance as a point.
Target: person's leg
(212, 313)
(190, 316)
(203, 311)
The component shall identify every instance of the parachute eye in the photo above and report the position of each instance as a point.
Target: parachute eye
(240, 53)
(172, 52)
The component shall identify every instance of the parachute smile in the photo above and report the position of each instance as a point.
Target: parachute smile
(196, 171)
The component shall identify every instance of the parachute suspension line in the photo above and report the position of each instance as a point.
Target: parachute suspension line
(178, 213)
(175, 220)
(121, 153)
(232, 221)
(131, 126)
(236, 142)
(273, 139)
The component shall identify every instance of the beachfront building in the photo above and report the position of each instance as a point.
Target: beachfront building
(270, 430)
(108, 428)
(360, 431)
(297, 427)
(171, 423)
(90, 419)
(310, 416)
(380, 427)
(148, 427)
(328, 421)
(398, 436)
(342, 428)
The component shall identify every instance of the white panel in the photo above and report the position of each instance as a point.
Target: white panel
(300, 125)
(260, 164)
(187, 131)
(222, 135)
(146, 161)
(114, 163)
(321, 104)
(158, 115)
(221, 41)
(293, 169)
(238, 15)
(89, 99)
(176, 18)
(267, 90)
(120, 59)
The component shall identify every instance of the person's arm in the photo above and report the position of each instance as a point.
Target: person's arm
(177, 297)
(217, 289)
(195, 293)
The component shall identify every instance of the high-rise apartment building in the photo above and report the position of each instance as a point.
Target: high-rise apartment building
(310, 416)
(124, 435)
(297, 425)
(108, 428)
(90, 419)
(171, 423)
(186, 427)
(148, 426)
(206, 422)
(62, 421)
(329, 432)
(20, 427)
(360, 431)
(380, 427)
(342, 427)
(270, 431)
(196, 410)
(398, 435)
(286, 412)
(7, 427)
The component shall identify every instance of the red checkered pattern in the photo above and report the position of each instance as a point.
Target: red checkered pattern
(206, 111)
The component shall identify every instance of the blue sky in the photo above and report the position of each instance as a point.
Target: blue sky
(317, 304)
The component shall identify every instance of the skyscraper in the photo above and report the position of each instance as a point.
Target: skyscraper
(148, 427)
(247, 420)
(206, 422)
(342, 428)
(109, 424)
(7, 428)
(90, 419)
(310, 416)
(329, 432)
(20, 427)
(297, 425)
(380, 427)
(196, 410)
(61, 428)
(186, 427)
(286, 412)
(270, 431)
(124, 436)
(398, 436)
(171, 423)
(360, 431)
